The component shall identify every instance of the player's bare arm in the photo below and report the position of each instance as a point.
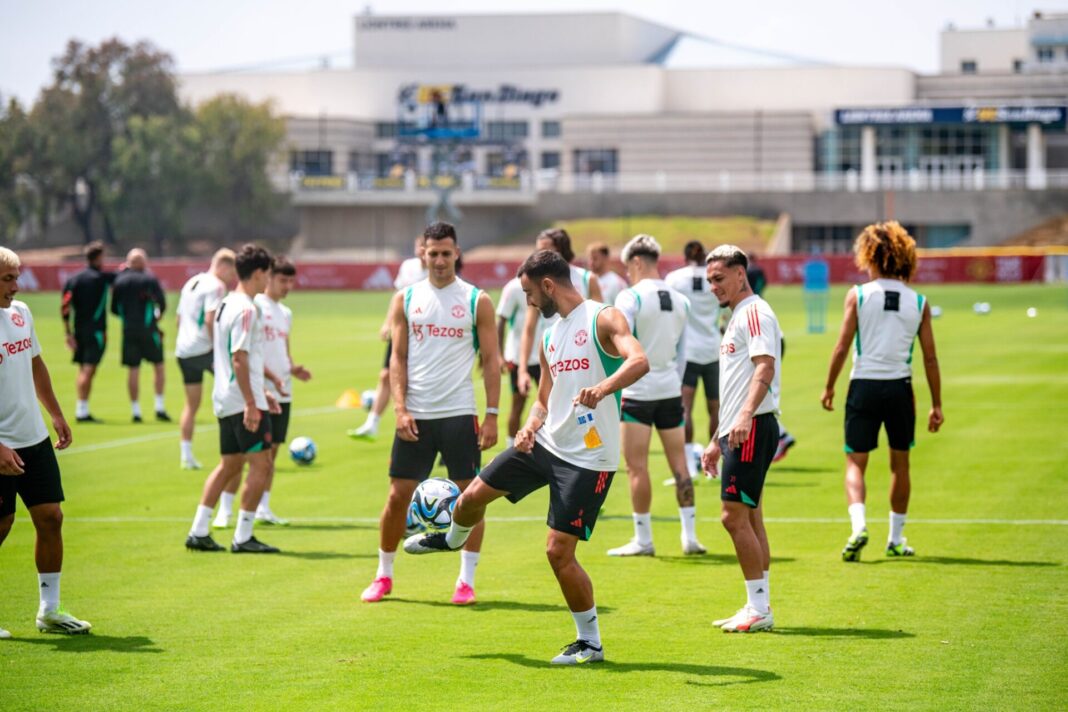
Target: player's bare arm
(42, 383)
(10, 462)
(299, 372)
(595, 288)
(841, 349)
(491, 373)
(616, 338)
(275, 379)
(930, 367)
(526, 345)
(759, 386)
(501, 322)
(242, 376)
(398, 370)
(539, 412)
(65, 313)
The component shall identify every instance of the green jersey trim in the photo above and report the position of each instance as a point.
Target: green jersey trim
(474, 316)
(860, 302)
(610, 364)
(919, 305)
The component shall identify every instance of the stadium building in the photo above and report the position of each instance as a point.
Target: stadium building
(511, 121)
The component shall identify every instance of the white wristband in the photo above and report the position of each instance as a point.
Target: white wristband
(492, 411)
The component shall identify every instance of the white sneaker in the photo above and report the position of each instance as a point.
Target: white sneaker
(693, 547)
(221, 521)
(578, 653)
(59, 621)
(4, 634)
(367, 431)
(266, 516)
(747, 620)
(191, 463)
(633, 548)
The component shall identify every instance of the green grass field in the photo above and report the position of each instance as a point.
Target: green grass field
(976, 621)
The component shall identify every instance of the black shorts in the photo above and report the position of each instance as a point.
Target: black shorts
(662, 414)
(513, 374)
(194, 367)
(707, 373)
(575, 493)
(456, 438)
(234, 439)
(89, 347)
(744, 468)
(389, 353)
(871, 404)
(38, 484)
(138, 346)
(280, 425)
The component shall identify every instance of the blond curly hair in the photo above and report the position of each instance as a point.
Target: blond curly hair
(887, 250)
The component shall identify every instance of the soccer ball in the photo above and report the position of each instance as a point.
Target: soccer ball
(433, 502)
(302, 450)
(367, 399)
(411, 524)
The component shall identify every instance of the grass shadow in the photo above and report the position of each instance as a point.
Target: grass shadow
(964, 561)
(92, 643)
(491, 605)
(867, 633)
(328, 527)
(776, 483)
(799, 468)
(324, 555)
(713, 559)
(748, 675)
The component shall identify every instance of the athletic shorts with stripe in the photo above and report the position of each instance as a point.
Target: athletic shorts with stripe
(870, 404)
(575, 493)
(142, 345)
(455, 438)
(89, 347)
(235, 439)
(745, 467)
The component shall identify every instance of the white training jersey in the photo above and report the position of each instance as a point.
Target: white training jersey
(513, 309)
(657, 316)
(201, 294)
(21, 424)
(442, 343)
(702, 328)
(410, 272)
(611, 285)
(752, 331)
(277, 323)
(888, 320)
(238, 327)
(588, 439)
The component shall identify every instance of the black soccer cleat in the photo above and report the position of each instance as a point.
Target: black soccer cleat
(88, 419)
(201, 543)
(161, 416)
(136, 419)
(253, 546)
(426, 543)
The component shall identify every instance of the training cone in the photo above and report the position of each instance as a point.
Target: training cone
(349, 399)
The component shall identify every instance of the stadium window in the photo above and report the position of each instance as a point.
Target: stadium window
(1017, 66)
(506, 130)
(596, 160)
(1045, 54)
(312, 163)
(968, 66)
(550, 159)
(550, 129)
(385, 129)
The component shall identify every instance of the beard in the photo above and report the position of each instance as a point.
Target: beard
(548, 309)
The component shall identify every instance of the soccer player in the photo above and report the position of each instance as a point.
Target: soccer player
(511, 316)
(882, 319)
(587, 284)
(702, 347)
(656, 315)
(439, 326)
(749, 377)
(85, 297)
(200, 298)
(758, 280)
(412, 270)
(137, 298)
(28, 464)
(570, 441)
(241, 405)
(598, 258)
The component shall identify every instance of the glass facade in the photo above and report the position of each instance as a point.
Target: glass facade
(506, 130)
(312, 163)
(596, 160)
(906, 148)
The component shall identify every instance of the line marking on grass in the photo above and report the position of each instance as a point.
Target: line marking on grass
(170, 434)
(770, 520)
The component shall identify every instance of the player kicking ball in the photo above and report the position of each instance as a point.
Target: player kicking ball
(570, 441)
(748, 433)
(28, 466)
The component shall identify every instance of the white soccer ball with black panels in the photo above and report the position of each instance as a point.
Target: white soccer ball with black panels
(433, 502)
(302, 450)
(412, 525)
(367, 399)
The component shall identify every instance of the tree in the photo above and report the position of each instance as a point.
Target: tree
(238, 139)
(17, 198)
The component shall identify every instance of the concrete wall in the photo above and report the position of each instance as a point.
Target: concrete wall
(993, 50)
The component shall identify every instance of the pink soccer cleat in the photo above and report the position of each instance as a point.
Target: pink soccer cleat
(379, 588)
(464, 595)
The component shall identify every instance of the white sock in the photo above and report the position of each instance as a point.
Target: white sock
(457, 535)
(756, 592)
(586, 625)
(509, 441)
(160, 407)
(767, 583)
(49, 587)
(897, 524)
(385, 564)
(468, 562)
(782, 428)
(187, 449)
(265, 502)
(643, 528)
(372, 419)
(856, 516)
(688, 516)
(226, 504)
(243, 532)
(135, 409)
(81, 410)
(202, 521)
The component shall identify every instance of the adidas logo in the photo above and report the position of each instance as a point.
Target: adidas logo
(577, 523)
(44, 585)
(732, 490)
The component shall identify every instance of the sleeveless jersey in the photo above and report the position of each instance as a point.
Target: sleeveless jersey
(611, 285)
(580, 280)
(201, 294)
(588, 439)
(442, 343)
(513, 309)
(702, 328)
(657, 315)
(238, 327)
(888, 321)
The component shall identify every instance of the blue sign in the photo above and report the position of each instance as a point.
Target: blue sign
(1051, 116)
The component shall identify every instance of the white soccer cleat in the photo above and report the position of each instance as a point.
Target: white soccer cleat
(221, 521)
(191, 463)
(266, 516)
(367, 431)
(59, 621)
(747, 620)
(4, 634)
(579, 653)
(693, 548)
(633, 548)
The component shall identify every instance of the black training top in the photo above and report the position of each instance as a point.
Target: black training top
(757, 279)
(137, 298)
(86, 294)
